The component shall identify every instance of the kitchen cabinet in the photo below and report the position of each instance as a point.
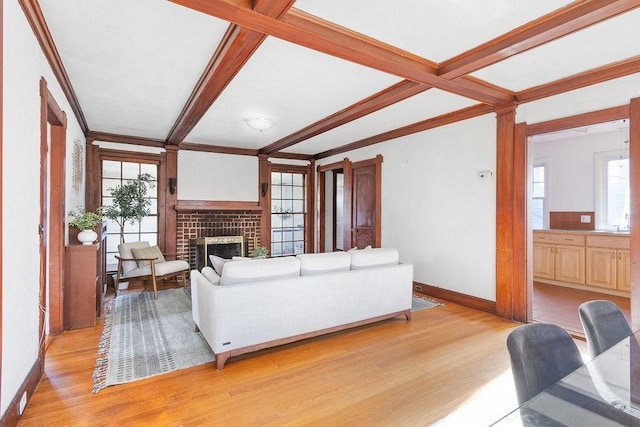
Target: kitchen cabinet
(608, 262)
(559, 256)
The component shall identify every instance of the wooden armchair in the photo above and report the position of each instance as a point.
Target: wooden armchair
(141, 261)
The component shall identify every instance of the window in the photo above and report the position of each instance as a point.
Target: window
(539, 192)
(288, 212)
(612, 189)
(114, 173)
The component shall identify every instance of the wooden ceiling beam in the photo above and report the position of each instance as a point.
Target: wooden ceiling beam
(580, 80)
(314, 33)
(125, 139)
(237, 46)
(566, 20)
(445, 119)
(378, 101)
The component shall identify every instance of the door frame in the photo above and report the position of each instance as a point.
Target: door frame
(347, 168)
(52, 184)
(322, 202)
(522, 301)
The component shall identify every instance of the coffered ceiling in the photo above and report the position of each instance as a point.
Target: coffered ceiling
(331, 74)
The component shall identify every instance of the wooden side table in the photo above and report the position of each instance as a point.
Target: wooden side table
(81, 297)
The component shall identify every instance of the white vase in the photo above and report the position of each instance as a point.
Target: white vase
(87, 237)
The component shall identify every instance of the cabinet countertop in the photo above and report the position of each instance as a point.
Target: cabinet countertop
(584, 232)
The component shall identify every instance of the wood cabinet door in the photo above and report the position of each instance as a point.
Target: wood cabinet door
(623, 273)
(570, 264)
(543, 261)
(601, 267)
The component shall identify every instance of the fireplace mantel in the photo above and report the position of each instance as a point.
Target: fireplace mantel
(208, 205)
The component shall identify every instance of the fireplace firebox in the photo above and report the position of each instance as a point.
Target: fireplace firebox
(222, 246)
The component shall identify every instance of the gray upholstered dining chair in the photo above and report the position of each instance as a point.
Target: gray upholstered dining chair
(604, 325)
(541, 354)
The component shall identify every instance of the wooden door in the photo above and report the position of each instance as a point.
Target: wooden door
(363, 219)
(364, 199)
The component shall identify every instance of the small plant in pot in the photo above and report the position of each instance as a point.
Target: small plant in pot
(260, 252)
(85, 221)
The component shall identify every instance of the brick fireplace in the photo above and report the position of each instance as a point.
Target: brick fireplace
(211, 223)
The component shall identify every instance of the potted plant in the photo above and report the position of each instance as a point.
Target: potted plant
(260, 252)
(85, 221)
(130, 202)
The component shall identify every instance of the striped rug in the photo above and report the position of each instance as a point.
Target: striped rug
(144, 337)
(421, 303)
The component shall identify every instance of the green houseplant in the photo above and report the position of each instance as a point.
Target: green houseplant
(85, 221)
(260, 251)
(130, 202)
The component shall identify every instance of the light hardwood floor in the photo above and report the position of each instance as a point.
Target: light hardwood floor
(447, 366)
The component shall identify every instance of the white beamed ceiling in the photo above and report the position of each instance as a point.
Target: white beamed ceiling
(134, 64)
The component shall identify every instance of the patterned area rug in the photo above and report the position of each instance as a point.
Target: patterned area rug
(421, 303)
(144, 337)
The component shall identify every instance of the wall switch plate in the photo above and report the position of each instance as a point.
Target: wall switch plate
(585, 219)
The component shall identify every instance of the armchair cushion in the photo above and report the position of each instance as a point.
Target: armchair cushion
(162, 269)
(125, 251)
(147, 253)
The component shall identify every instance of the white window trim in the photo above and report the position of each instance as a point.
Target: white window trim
(600, 172)
(545, 204)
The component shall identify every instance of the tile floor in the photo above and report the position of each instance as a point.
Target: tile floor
(559, 305)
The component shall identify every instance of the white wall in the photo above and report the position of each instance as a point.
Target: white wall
(217, 177)
(436, 210)
(571, 167)
(24, 64)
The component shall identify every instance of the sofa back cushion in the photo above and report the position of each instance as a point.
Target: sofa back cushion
(323, 262)
(252, 270)
(375, 257)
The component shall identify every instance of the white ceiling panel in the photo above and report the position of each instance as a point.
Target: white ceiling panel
(291, 85)
(425, 105)
(133, 64)
(434, 29)
(604, 43)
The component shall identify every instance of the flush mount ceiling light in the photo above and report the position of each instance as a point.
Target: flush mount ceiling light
(259, 123)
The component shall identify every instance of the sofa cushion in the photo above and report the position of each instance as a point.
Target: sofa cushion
(211, 275)
(150, 252)
(375, 257)
(218, 263)
(323, 262)
(251, 270)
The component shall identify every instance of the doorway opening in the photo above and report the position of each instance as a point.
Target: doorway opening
(579, 214)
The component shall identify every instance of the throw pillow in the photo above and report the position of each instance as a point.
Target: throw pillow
(210, 274)
(218, 263)
(150, 252)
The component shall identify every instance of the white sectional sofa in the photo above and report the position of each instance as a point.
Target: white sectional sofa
(255, 304)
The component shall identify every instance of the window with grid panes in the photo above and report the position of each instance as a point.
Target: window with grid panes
(114, 173)
(288, 208)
